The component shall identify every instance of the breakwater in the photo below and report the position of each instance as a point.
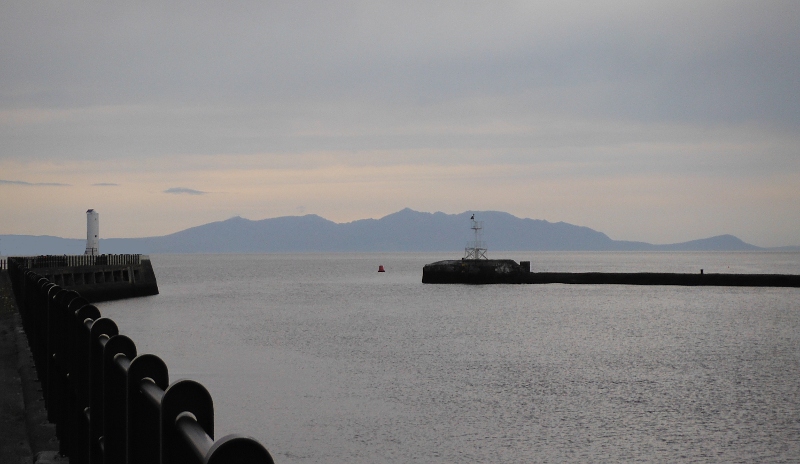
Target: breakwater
(109, 403)
(96, 277)
(506, 271)
(662, 278)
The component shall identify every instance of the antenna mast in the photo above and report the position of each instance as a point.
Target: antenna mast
(476, 249)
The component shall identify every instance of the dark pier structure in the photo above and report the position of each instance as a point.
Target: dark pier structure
(506, 271)
(95, 277)
(109, 403)
(475, 268)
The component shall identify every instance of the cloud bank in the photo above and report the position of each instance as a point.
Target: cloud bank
(657, 121)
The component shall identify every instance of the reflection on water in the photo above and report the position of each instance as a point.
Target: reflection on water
(323, 359)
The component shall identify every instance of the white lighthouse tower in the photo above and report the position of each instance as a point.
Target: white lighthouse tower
(92, 233)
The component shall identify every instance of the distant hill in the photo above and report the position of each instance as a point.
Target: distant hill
(27, 245)
(405, 230)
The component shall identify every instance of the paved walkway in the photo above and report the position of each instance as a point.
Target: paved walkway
(25, 434)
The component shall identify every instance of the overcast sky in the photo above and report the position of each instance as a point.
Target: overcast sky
(654, 121)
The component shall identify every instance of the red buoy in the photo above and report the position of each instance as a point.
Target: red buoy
(381, 269)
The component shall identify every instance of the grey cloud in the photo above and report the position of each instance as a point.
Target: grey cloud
(183, 190)
(269, 76)
(105, 184)
(693, 58)
(15, 182)
(33, 184)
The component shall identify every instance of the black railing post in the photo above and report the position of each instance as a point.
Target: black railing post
(63, 354)
(58, 375)
(148, 377)
(36, 320)
(82, 321)
(100, 332)
(50, 380)
(66, 301)
(237, 449)
(117, 356)
(181, 397)
(26, 306)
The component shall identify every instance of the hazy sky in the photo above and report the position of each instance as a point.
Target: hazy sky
(653, 121)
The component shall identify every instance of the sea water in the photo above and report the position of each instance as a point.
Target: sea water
(324, 360)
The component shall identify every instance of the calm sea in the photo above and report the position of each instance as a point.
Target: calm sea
(325, 360)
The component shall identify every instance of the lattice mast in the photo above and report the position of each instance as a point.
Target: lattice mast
(476, 249)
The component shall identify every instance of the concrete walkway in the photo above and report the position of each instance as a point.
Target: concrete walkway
(25, 434)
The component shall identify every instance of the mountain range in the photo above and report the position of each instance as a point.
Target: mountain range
(405, 230)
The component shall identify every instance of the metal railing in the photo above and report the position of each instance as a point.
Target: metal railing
(109, 403)
(55, 261)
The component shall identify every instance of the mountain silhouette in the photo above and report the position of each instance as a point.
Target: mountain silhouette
(405, 230)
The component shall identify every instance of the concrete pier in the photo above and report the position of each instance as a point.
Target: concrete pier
(506, 271)
(99, 277)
